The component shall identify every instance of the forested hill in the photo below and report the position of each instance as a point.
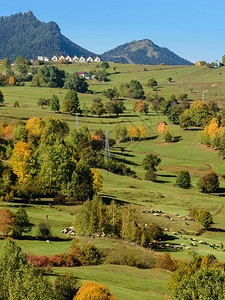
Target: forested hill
(23, 34)
(143, 52)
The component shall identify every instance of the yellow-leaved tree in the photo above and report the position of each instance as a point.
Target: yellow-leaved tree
(132, 132)
(92, 291)
(34, 127)
(142, 132)
(21, 160)
(11, 80)
(97, 180)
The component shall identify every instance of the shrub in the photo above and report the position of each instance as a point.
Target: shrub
(44, 230)
(168, 137)
(183, 180)
(66, 286)
(209, 183)
(205, 218)
(150, 175)
(166, 262)
(151, 161)
(91, 254)
(92, 291)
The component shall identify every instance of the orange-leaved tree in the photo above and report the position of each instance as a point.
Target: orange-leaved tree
(11, 80)
(6, 221)
(21, 161)
(7, 132)
(92, 291)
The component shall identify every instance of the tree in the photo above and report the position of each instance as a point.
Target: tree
(120, 133)
(185, 119)
(205, 218)
(76, 83)
(97, 180)
(71, 102)
(66, 286)
(132, 89)
(21, 161)
(118, 107)
(111, 93)
(97, 109)
(151, 161)
(152, 83)
(6, 221)
(169, 79)
(21, 65)
(223, 59)
(105, 65)
(199, 113)
(206, 283)
(49, 76)
(132, 132)
(141, 106)
(209, 183)
(142, 132)
(1, 97)
(11, 80)
(44, 230)
(6, 66)
(22, 223)
(92, 291)
(91, 254)
(183, 180)
(54, 104)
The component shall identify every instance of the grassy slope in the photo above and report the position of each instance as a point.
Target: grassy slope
(186, 154)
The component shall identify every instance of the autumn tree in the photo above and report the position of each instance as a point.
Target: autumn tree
(132, 132)
(21, 161)
(11, 80)
(141, 106)
(199, 113)
(142, 132)
(54, 103)
(6, 221)
(92, 291)
(97, 180)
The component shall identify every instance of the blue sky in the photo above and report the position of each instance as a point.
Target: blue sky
(192, 29)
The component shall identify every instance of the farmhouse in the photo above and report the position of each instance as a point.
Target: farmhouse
(82, 74)
(43, 58)
(90, 59)
(55, 58)
(97, 59)
(82, 59)
(75, 58)
(69, 58)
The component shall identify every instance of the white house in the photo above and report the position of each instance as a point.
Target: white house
(55, 58)
(97, 59)
(61, 58)
(82, 59)
(43, 58)
(69, 58)
(90, 59)
(75, 58)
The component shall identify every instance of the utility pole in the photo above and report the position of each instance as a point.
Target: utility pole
(203, 97)
(107, 152)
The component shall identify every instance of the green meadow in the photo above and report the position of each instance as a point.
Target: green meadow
(186, 154)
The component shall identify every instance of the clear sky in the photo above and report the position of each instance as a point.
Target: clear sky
(193, 29)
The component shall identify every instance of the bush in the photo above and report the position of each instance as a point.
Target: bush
(205, 218)
(150, 175)
(91, 254)
(166, 262)
(209, 183)
(168, 137)
(66, 287)
(44, 230)
(92, 291)
(183, 180)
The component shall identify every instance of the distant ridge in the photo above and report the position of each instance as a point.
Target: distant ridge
(23, 34)
(143, 52)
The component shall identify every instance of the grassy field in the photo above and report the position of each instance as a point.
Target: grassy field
(187, 153)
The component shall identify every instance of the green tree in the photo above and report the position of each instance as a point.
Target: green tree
(105, 65)
(132, 89)
(54, 104)
(205, 218)
(111, 93)
(91, 254)
(209, 183)
(183, 180)
(205, 284)
(21, 65)
(6, 66)
(152, 83)
(66, 286)
(223, 59)
(151, 161)
(71, 102)
(76, 83)
(22, 223)
(1, 97)
(185, 119)
(120, 133)
(97, 109)
(199, 113)
(49, 76)
(118, 107)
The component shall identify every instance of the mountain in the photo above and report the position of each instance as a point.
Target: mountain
(143, 52)
(24, 34)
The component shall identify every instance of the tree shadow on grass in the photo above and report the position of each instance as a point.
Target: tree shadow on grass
(169, 176)
(107, 199)
(213, 229)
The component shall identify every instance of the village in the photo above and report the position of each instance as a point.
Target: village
(68, 58)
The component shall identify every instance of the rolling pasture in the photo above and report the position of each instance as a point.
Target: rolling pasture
(186, 154)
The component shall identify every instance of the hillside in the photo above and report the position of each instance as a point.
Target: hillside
(24, 34)
(143, 52)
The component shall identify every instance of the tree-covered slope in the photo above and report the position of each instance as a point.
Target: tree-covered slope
(24, 34)
(143, 52)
